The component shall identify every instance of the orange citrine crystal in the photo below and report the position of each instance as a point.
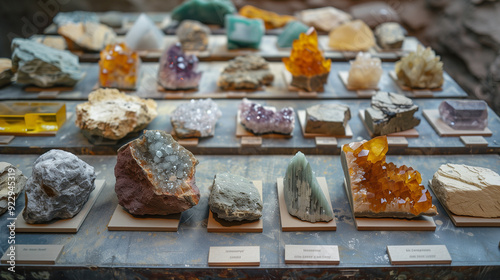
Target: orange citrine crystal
(271, 20)
(118, 67)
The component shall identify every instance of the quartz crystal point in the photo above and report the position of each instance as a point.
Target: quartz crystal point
(119, 67)
(178, 70)
(63, 18)
(352, 36)
(271, 20)
(464, 114)
(304, 197)
(420, 69)
(365, 72)
(195, 118)
(155, 175)
(6, 74)
(382, 189)
(324, 19)
(234, 198)
(87, 36)
(12, 182)
(260, 120)
(390, 35)
(193, 35)
(144, 35)
(248, 72)
(243, 32)
(292, 32)
(205, 11)
(329, 119)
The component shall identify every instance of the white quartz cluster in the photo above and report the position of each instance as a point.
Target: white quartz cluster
(420, 69)
(365, 72)
(196, 118)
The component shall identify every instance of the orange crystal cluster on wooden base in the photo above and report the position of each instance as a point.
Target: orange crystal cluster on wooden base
(119, 67)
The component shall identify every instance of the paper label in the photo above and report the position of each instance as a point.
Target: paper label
(397, 141)
(188, 142)
(234, 255)
(423, 93)
(326, 141)
(419, 254)
(32, 254)
(366, 93)
(6, 139)
(174, 95)
(312, 254)
(251, 141)
(474, 140)
(48, 94)
(307, 94)
(236, 94)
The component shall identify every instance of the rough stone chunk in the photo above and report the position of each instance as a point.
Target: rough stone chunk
(113, 19)
(420, 69)
(112, 114)
(205, 11)
(144, 35)
(6, 74)
(374, 13)
(468, 190)
(234, 198)
(330, 119)
(15, 185)
(352, 36)
(304, 197)
(178, 70)
(271, 20)
(365, 72)
(324, 19)
(58, 188)
(193, 35)
(291, 33)
(390, 112)
(119, 67)
(464, 114)
(260, 120)
(195, 118)
(87, 36)
(63, 18)
(390, 35)
(243, 32)
(155, 175)
(245, 72)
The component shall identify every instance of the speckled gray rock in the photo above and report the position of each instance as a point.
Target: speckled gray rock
(245, 72)
(193, 35)
(58, 188)
(196, 118)
(7, 185)
(63, 18)
(330, 119)
(5, 72)
(234, 198)
(390, 35)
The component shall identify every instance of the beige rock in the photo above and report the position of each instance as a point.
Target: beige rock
(420, 69)
(352, 36)
(324, 19)
(88, 36)
(365, 72)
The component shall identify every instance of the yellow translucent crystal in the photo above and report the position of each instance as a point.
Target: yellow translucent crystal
(365, 72)
(119, 67)
(31, 117)
(271, 20)
(420, 69)
(353, 36)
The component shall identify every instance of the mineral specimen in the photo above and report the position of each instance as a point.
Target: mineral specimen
(119, 67)
(87, 36)
(144, 35)
(324, 19)
(58, 188)
(21, 117)
(420, 69)
(306, 63)
(155, 175)
(389, 113)
(44, 66)
(381, 189)
(178, 70)
(243, 32)
(245, 72)
(374, 13)
(365, 72)
(290, 33)
(5, 72)
(260, 120)
(464, 114)
(352, 36)
(271, 20)
(113, 19)
(304, 197)
(205, 11)
(329, 119)
(390, 35)
(195, 118)
(193, 35)
(468, 190)
(234, 198)
(63, 18)
(112, 114)
(12, 182)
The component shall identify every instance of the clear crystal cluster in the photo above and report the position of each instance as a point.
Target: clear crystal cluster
(196, 118)
(464, 114)
(259, 119)
(365, 72)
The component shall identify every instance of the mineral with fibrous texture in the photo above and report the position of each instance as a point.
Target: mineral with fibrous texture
(374, 13)
(329, 119)
(63, 18)
(464, 114)
(390, 35)
(193, 35)
(58, 188)
(352, 36)
(304, 197)
(365, 72)
(119, 67)
(381, 189)
(44, 66)
(178, 70)
(271, 20)
(245, 72)
(205, 11)
(390, 112)
(324, 19)
(88, 36)
(11, 180)
(260, 120)
(5, 72)
(468, 190)
(196, 118)
(243, 32)
(155, 175)
(144, 35)
(112, 114)
(420, 69)
(291, 33)
(234, 198)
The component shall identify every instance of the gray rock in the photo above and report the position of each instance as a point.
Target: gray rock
(58, 188)
(245, 72)
(193, 35)
(196, 118)
(63, 18)
(112, 19)
(234, 198)
(328, 119)
(5, 72)
(7, 185)
(390, 35)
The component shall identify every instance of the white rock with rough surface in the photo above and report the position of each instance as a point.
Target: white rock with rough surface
(15, 185)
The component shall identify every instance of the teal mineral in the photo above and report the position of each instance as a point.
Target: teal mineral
(290, 33)
(205, 11)
(243, 32)
(303, 195)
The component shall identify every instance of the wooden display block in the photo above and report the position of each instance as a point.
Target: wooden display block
(241, 131)
(397, 141)
(217, 225)
(444, 130)
(302, 120)
(291, 223)
(66, 225)
(186, 142)
(344, 77)
(419, 254)
(33, 254)
(48, 94)
(421, 92)
(124, 221)
(312, 254)
(407, 133)
(251, 141)
(474, 141)
(234, 256)
(6, 139)
(325, 141)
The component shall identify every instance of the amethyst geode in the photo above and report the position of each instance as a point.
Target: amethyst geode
(464, 114)
(260, 120)
(178, 70)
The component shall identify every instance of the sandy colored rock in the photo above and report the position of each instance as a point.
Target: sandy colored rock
(5, 72)
(324, 19)
(193, 35)
(352, 36)
(87, 36)
(245, 72)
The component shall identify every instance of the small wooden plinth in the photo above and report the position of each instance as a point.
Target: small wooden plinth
(48, 94)
(407, 133)
(397, 141)
(419, 254)
(444, 130)
(241, 131)
(6, 139)
(33, 254)
(325, 141)
(124, 221)
(312, 254)
(420, 92)
(234, 256)
(344, 77)
(251, 141)
(474, 141)
(302, 120)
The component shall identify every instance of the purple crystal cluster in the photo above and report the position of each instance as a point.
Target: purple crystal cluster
(464, 114)
(178, 70)
(260, 120)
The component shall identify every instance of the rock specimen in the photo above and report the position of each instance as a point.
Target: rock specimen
(464, 114)
(205, 11)
(352, 36)
(193, 35)
(329, 119)
(144, 35)
(389, 113)
(260, 120)
(196, 118)
(306, 63)
(245, 72)
(381, 189)
(58, 188)
(271, 20)
(112, 114)
(155, 175)
(10, 187)
(374, 13)
(324, 19)
(43, 66)
(63, 18)
(5, 72)
(365, 72)
(390, 35)
(291, 33)
(119, 67)
(243, 32)
(304, 197)
(468, 190)
(113, 19)
(234, 198)
(87, 36)
(178, 70)
(420, 69)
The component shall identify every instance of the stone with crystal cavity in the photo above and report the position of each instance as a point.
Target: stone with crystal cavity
(354, 36)
(193, 35)
(6, 74)
(260, 120)
(243, 32)
(420, 69)
(205, 11)
(119, 67)
(63, 18)
(178, 70)
(144, 35)
(464, 114)
(365, 72)
(390, 35)
(290, 33)
(196, 118)
(89, 36)
(245, 72)
(12, 182)
(329, 119)
(324, 19)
